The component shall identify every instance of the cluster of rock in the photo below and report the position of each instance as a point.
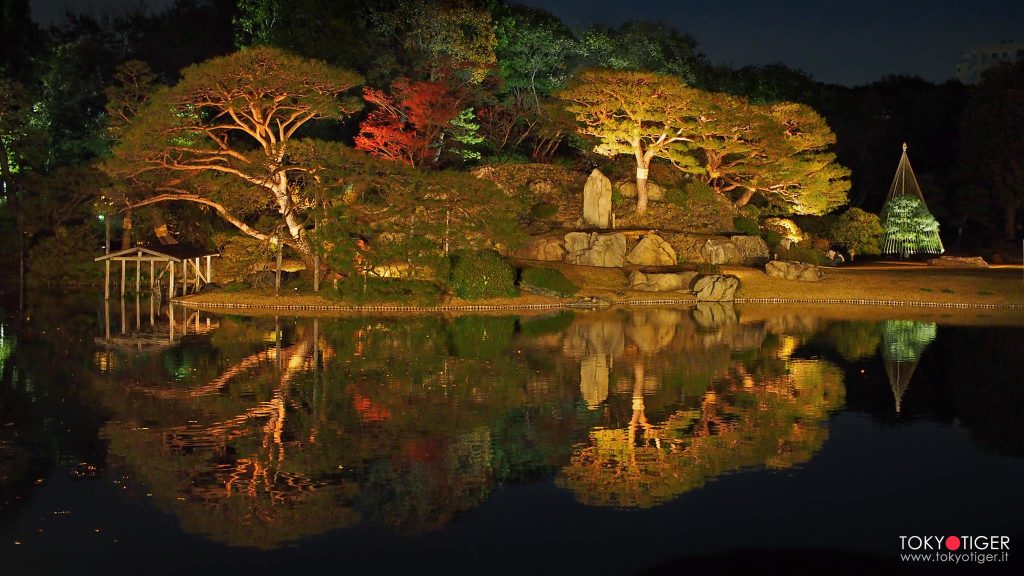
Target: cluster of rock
(788, 270)
(613, 249)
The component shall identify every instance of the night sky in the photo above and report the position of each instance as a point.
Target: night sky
(841, 42)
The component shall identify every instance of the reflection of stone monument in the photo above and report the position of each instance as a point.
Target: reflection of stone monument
(594, 380)
(903, 342)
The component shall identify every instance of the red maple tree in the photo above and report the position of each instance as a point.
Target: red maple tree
(407, 124)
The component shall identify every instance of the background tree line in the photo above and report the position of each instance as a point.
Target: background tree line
(447, 83)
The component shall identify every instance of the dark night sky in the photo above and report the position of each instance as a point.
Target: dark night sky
(842, 41)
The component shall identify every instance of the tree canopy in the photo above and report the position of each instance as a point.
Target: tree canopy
(228, 136)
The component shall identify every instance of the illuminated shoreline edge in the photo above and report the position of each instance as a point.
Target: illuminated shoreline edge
(559, 305)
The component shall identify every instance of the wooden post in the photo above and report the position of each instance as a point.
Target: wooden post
(277, 280)
(198, 275)
(124, 317)
(122, 278)
(170, 284)
(152, 276)
(138, 311)
(138, 273)
(152, 297)
(209, 269)
(106, 318)
(184, 276)
(106, 250)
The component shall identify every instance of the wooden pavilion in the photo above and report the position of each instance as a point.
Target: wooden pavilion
(170, 258)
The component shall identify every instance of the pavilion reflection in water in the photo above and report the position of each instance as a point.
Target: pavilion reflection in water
(259, 432)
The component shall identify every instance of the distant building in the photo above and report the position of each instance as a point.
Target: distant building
(981, 58)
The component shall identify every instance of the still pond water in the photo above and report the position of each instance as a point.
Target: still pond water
(608, 442)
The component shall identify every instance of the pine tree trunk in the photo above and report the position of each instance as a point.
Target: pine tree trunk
(126, 234)
(641, 187)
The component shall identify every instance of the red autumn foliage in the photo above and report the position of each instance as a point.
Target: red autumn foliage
(407, 124)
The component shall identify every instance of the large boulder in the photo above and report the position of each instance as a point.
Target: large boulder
(752, 249)
(546, 249)
(657, 282)
(605, 250)
(958, 262)
(716, 288)
(719, 251)
(652, 250)
(793, 271)
(597, 201)
(628, 190)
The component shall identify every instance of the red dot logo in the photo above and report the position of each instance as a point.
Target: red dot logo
(952, 543)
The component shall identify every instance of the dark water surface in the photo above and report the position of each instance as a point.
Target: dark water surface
(608, 442)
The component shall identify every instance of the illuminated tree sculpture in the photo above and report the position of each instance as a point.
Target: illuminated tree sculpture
(909, 227)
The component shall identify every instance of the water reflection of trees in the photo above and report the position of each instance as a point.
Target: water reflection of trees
(694, 400)
(275, 432)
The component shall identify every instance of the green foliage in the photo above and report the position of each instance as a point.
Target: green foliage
(909, 227)
(859, 231)
(772, 238)
(640, 45)
(534, 50)
(465, 131)
(747, 226)
(483, 274)
(692, 192)
(548, 279)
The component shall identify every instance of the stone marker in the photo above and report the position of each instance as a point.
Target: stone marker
(597, 200)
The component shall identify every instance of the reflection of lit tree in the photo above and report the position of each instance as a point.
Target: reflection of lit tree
(740, 422)
(854, 340)
(903, 342)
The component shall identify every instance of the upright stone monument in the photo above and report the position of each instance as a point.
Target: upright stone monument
(597, 201)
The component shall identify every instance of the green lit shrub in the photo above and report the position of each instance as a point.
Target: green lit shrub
(481, 275)
(547, 280)
(772, 238)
